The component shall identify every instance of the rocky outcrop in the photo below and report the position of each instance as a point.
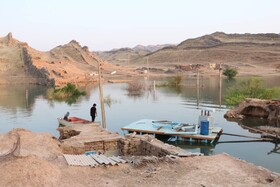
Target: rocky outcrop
(42, 74)
(268, 109)
(9, 38)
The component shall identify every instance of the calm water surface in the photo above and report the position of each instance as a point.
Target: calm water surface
(26, 106)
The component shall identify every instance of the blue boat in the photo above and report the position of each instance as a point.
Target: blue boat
(168, 128)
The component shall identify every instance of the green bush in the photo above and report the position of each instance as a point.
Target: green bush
(68, 93)
(252, 88)
(230, 73)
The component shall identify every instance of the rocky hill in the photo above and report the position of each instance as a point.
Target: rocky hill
(231, 49)
(11, 60)
(249, 53)
(19, 63)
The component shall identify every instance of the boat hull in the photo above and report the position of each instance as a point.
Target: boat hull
(73, 121)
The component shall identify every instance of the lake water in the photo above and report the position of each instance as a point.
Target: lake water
(27, 106)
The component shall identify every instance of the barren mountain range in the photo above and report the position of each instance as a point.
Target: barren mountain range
(253, 54)
(248, 53)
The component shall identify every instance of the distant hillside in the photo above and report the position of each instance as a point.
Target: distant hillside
(19, 63)
(124, 56)
(238, 50)
(151, 48)
(243, 51)
(219, 38)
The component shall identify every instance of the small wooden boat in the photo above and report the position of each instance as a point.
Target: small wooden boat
(72, 121)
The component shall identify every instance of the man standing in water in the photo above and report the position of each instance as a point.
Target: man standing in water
(93, 112)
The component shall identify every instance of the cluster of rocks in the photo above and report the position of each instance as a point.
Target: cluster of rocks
(267, 109)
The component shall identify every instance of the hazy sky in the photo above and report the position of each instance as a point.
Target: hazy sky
(108, 24)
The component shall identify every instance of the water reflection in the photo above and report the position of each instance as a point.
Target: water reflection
(255, 122)
(32, 110)
(205, 149)
(276, 149)
(20, 97)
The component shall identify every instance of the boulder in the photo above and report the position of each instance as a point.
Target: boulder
(268, 109)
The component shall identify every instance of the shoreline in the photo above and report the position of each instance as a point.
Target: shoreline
(130, 72)
(40, 162)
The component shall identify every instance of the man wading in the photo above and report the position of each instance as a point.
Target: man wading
(93, 112)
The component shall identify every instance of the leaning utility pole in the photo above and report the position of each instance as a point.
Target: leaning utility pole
(148, 67)
(197, 88)
(101, 96)
(220, 85)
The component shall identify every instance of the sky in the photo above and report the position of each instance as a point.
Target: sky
(103, 25)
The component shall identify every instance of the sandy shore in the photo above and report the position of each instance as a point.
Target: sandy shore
(39, 162)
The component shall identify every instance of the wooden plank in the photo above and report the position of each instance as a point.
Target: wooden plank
(258, 130)
(245, 136)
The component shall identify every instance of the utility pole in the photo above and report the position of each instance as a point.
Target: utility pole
(220, 85)
(197, 88)
(101, 96)
(148, 67)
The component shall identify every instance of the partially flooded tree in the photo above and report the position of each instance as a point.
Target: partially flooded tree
(109, 100)
(135, 88)
(230, 73)
(68, 93)
(172, 82)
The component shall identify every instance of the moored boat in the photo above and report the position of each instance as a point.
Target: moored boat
(72, 121)
(182, 131)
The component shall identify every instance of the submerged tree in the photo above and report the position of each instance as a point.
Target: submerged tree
(172, 82)
(252, 88)
(135, 88)
(68, 93)
(230, 73)
(109, 100)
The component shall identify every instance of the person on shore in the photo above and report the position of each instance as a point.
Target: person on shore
(66, 116)
(93, 112)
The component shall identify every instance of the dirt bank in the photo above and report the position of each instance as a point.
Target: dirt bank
(39, 161)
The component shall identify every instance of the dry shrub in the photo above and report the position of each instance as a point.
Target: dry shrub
(135, 88)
